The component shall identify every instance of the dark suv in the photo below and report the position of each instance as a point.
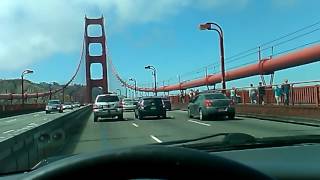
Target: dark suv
(150, 106)
(167, 103)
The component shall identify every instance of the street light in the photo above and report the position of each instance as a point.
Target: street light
(218, 29)
(27, 71)
(154, 76)
(135, 86)
(119, 91)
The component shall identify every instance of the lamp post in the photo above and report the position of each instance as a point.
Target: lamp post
(27, 71)
(119, 91)
(154, 76)
(135, 86)
(218, 29)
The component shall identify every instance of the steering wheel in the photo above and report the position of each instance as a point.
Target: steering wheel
(153, 161)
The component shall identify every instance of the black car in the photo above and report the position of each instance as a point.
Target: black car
(210, 104)
(167, 103)
(150, 106)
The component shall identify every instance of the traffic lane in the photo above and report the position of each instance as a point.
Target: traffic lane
(108, 134)
(15, 125)
(113, 134)
(253, 126)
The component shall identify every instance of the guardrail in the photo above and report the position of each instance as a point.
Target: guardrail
(299, 95)
(25, 150)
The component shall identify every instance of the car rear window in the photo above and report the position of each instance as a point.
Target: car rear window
(107, 99)
(54, 102)
(156, 101)
(215, 96)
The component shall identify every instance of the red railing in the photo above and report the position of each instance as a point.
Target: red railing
(299, 95)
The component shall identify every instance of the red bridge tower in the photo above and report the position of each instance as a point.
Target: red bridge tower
(90, 59)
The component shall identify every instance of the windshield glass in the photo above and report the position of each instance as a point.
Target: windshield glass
(108, 99)
(54, 102)
(83, 76)
(215, 96)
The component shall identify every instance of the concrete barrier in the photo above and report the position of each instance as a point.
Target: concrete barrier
(25, 150)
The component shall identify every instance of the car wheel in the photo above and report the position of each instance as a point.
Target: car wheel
(95, 119)
(47, 112)
(60, 111)
(231, 116)
(202, 117)
(140, 116)
(189, 113)
(120, 117)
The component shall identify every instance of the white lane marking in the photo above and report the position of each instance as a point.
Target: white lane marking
(134, 124)
(155, 138)
(36, 115)
(2, 137)
(33, 124)
(8, 131)
(199, 122)
(11, 120)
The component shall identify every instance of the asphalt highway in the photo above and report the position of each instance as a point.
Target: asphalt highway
(110, 134)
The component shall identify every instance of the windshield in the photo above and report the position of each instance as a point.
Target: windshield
(54, 102)
(215, 96)
(107, 99)
(133, 73)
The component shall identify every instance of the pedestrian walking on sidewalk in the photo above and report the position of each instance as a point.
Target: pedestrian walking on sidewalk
(233, 94)
(253, 94)
(286, 91)
(277, 94)
(261, 93)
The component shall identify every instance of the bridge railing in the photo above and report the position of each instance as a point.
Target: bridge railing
(301, 93)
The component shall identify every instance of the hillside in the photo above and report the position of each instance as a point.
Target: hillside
(72, 93)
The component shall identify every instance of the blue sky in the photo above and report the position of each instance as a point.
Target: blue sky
(160, 33)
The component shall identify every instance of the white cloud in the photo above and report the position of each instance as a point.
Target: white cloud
(33, 30)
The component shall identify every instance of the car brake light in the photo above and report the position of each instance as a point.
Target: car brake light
(208, 103)
(231, 103)
(95, 106)
(121, 104)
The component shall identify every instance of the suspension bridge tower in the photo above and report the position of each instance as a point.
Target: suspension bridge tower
(92, 59)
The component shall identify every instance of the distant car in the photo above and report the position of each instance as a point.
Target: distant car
(150, 106)
(54, 106)
(128, 104)
(107, 105)
(167, 103)
(77, 104)
(67, 105)
(209, 104)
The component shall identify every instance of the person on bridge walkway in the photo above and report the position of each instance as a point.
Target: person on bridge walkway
(277, 94)
(261, 93)
(233, 94)
(286, 91)
(253, 94)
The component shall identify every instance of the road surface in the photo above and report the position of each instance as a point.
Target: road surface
(114, 134)
(12, 126)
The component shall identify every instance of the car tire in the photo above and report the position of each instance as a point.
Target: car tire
(231, 116)
(60, 111)
(189, 114)
(47, 112)
(120, 117)
(202, 116)
(164, 116)
(95, 119)
(140, 116)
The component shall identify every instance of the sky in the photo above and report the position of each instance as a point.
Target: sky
(46, 36)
